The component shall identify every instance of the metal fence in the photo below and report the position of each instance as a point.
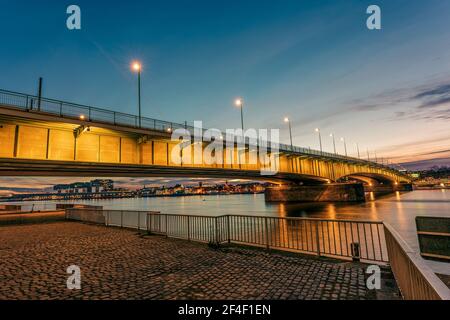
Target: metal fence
(88, 113)
(335, 238)
(127, 219)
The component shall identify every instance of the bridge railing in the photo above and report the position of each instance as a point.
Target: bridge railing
(89, 113)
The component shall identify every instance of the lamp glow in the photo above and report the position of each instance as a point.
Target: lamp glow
(136, 66)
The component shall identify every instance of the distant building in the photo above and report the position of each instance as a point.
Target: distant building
(94, 186)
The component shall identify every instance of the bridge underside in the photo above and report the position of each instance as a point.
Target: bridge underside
(49, 168)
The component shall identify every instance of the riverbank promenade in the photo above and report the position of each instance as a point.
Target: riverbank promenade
(123, 264)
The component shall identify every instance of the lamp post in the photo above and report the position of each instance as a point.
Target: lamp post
(137, 67)
(239, 102)
(286, 119)
(334, 143)
(368, 155)
(357, 149)
(345, 146)
(320, 139)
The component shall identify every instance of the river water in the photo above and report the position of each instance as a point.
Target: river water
(399, 210)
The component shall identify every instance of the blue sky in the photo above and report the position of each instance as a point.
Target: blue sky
(314, 61)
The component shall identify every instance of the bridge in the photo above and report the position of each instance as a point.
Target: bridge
(47, 137)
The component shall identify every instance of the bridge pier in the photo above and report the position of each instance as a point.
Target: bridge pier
(332, 192)
(388, 188)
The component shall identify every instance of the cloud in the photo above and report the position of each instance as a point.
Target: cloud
(418, 102)
(435, 102)
(426, 164)
(437, 91)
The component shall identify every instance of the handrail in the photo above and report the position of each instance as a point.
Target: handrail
(356, 239)
(414, 277)
(57, 107)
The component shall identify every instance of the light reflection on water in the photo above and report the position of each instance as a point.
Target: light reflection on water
(399, 209)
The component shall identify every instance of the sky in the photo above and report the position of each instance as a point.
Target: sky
(314, 61)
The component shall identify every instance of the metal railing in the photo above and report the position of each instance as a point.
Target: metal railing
(127, 218)
(335, 238)
(414, 278)
(65, 109)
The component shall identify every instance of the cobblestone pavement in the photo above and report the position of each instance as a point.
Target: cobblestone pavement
(120, 264)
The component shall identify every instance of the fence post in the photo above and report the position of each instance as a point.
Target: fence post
(107, 219)
(188, 229)
(317, 238)
(121, 219)
(167, 228)
(139, 221)
(216, 231)
(267, 232)
(228, 229)
(148, 223)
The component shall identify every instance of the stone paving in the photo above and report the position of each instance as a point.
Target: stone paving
(121, 264)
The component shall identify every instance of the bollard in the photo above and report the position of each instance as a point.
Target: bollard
(356, 251)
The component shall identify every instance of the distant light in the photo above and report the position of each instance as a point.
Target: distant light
(136, 66)
(286, 119)
(442, 185)
(317, 129)
(221, 137)
(169, 129)
(331, 134)
(342, 139)
(82, 117)
(238, 102)
(396, 183)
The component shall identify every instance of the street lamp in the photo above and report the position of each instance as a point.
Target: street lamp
(286, 119)
(334, 143)
(137, 67)
(345, 146)
(320, 139)
(239, 102)
(357, 149)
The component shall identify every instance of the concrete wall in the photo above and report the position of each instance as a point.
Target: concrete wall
(86, 215)
(317, 193)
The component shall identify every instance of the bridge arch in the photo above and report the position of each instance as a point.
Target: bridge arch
(370, 178)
